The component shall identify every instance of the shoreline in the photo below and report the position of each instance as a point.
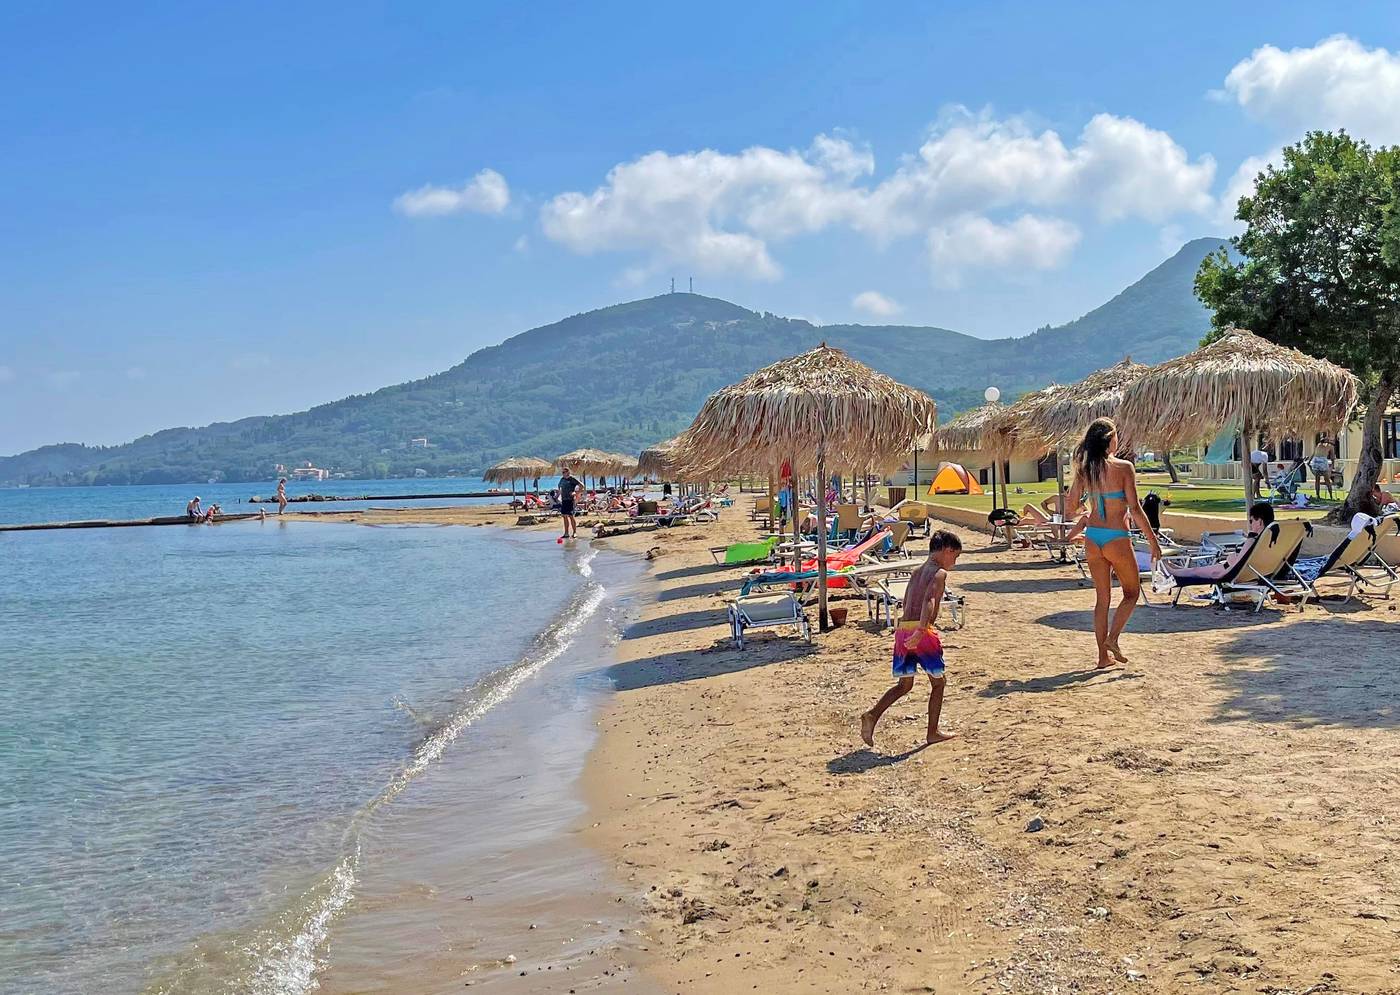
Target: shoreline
(1175, 822)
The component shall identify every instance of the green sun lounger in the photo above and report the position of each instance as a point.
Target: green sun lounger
(738, 553)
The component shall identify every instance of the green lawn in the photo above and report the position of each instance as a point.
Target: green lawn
(1225, 501)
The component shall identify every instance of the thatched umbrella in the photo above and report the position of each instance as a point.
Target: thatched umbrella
(1241, 380)
(656, 461)
(516, 468)
(965, 433)
(822, 401)
(1058, 418)
(589, 462)
(1051, 419)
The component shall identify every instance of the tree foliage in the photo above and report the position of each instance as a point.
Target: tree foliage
(1318, 268)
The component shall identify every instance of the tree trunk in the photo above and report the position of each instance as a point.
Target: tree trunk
(1368, 461)
(1171, 470)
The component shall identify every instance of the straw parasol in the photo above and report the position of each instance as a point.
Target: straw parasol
(821, 402)
(590, 462)
(1053, 420)
(655, 461)
(964, 434)
(1239, 380)
(516, 468)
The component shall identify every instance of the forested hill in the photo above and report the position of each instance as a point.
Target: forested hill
(634, 374)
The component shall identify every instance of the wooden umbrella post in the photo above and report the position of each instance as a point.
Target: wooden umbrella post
(821, 538)
(1247, 464)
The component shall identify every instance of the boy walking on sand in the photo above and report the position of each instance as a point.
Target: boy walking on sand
(916, 642)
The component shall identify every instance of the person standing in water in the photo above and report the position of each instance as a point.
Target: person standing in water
(568, 486)
(1110, 486)
(281, 495)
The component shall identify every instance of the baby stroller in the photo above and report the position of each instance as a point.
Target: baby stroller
(1285, 485)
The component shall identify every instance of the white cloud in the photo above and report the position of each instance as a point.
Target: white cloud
(521, 245)
(1337, 83)
(6, 374)
(135, 373)
(1240, 184)
(485, 193)
(62, 379)
(975, 242)
(721, 212)
(874, 303)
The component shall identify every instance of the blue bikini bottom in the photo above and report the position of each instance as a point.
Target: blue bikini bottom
(1101, 537)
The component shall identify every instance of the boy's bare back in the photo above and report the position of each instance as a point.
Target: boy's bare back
(921, 583)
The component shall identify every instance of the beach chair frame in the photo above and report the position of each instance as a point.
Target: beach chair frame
(1266, 569)
(744, 616)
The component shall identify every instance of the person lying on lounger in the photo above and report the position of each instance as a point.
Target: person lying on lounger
(1261, 516)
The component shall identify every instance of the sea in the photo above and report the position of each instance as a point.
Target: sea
(276, 757)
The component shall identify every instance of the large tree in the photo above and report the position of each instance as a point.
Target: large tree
(1318, 268)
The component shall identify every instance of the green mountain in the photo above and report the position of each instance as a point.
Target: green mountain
(635, 373)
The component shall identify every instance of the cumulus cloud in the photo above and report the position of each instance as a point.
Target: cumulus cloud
(876, 304)
(1240, 184)
(721, 212)
(975, 242)
(485, 193)
(1337, 83)
(6, 374)
(62, 379)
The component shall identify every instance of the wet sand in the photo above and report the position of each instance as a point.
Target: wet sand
(1215, 816)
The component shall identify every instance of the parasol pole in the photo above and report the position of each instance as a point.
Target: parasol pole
(821, 536)
(1247, 463)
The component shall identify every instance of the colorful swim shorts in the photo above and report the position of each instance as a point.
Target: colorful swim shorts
(915, 647)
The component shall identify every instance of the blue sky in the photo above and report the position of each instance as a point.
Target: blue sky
(214, 211)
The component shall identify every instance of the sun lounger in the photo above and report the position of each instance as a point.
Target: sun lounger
(887, 595)
(765, 611)
(1382, 568)
(738, 553)
(1266, 568)
(1343, 562)
(916, 514)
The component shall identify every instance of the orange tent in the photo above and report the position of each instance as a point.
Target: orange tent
(952, 478)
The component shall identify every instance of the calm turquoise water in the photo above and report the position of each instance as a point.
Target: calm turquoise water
(197, 724)
(70, 504)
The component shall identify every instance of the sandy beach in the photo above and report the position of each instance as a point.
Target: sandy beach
(1215, 816)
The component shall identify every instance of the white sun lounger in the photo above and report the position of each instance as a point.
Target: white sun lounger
(887, 594)
(1382, 568)
(758, 611)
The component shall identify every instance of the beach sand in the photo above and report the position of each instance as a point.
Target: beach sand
(1216, 816)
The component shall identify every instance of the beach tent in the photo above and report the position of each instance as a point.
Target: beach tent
(953, 478)
(822, 402)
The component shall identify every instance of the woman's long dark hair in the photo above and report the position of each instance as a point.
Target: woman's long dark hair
(1092, 453)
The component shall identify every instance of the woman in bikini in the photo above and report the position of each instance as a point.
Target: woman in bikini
(1109, 485)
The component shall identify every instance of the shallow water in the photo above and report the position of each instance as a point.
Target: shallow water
(211, 738)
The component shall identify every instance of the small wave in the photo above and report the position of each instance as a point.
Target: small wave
(290, 966)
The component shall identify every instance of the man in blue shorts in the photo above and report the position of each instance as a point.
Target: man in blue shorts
(916, 642)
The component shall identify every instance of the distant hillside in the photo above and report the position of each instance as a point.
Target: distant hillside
(623, 377)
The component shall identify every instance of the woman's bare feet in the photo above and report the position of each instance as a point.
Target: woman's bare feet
(867, 729)
(940, 737)
(1117, 653)
(1105, 662)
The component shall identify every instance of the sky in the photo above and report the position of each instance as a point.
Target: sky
(214, 211)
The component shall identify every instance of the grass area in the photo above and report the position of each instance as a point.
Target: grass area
(1224, 501)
